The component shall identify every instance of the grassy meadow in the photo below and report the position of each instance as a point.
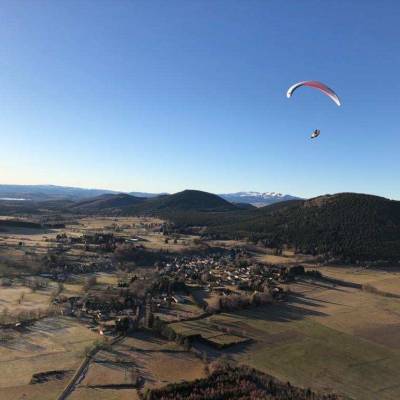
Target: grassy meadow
(48, 345)
(328, 338)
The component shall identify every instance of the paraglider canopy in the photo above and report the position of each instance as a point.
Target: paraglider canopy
(317, 85)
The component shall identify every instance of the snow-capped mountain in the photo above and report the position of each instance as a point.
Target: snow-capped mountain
(258, 199)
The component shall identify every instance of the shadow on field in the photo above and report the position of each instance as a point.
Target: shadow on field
(120, 354)
(301, 299)
(297, 307)
(250, 324)
(228, 352)
(322, 285)
(49, 325)
(23, 345)
(292, 311)
(43, 329)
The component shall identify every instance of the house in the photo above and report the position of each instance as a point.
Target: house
(178, 299)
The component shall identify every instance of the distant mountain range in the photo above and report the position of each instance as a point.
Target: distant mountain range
(145, 194)
(48, 192)
(258, 199)
(52, 192)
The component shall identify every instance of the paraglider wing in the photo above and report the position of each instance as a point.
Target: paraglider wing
(317, 85)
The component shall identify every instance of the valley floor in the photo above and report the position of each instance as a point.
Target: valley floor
(326, 336)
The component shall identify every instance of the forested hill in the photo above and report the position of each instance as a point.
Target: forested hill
(351, 226)
(183, 202)
(106, 203)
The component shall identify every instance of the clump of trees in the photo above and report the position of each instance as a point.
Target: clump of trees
(236, 302)
(57, 291)
(8, 317)
(6, 282)
(127, 254)
(227, 382)
(168, 285)
(36, 283)
(162, 328)
(90, 282)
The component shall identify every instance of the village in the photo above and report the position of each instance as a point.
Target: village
(118, 275)
(207, 282)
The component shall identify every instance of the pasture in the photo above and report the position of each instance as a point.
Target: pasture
(218, 335)
(138, 362)
(84, 393)
(21, 298)
(385, 280)
(328, 338)
(48, 345)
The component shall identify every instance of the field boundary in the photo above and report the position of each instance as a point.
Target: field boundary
(372, 289)
(340, 282)
(84, 364)
(366, 287)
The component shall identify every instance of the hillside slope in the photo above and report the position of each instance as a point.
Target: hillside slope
(106, 203)
(183, 202)
(351, 226)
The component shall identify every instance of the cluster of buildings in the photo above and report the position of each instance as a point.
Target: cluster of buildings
(226, 272)
(129, 303)
(100, 239)
(105, 310)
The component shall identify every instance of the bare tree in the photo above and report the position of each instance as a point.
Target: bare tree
(90, 282)
(21, 298)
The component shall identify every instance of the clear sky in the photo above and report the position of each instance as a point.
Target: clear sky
(166, 95)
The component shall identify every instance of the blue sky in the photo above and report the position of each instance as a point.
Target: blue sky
(167, 95)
